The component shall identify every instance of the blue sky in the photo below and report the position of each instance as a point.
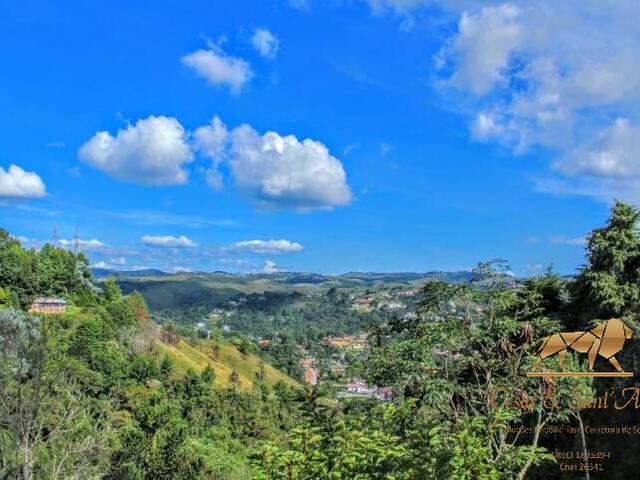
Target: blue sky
(406, 135)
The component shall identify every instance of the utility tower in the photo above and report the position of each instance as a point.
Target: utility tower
(55, 238)
(76, 240)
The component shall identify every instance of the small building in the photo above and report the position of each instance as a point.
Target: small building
(358, 387)
(311, 376)
(48, 306)
(348, 342)
(311, 372)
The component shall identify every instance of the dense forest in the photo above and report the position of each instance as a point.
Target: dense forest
(89, 393)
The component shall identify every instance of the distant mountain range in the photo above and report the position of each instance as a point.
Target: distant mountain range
(293, 278)
(164, 290)
(100, 273)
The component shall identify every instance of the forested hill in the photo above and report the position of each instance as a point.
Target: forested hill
(100, 391)
(164, 291)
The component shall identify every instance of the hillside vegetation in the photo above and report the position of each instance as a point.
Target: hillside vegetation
(170, 291)
(224, 358)
(102, 392)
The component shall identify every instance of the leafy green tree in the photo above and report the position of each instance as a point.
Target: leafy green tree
(47, 428)
(463, 361)
(111, 291)
(139, 306)
(6, 298)
(609, 285)
(18, 269)
(155, 444)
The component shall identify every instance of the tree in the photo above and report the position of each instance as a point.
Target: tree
(111, 291)
(6, 298)
(139, 306)
(609, 285)
(462, 361)
(47, 428)
(18, 269)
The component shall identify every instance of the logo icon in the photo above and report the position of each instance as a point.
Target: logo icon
(605, 340)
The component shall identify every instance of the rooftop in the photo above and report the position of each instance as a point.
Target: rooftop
(50, 301)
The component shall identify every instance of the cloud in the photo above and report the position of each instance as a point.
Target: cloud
(564, 240)
(385, 148)
(218, 68)
(168, 241)
(485, 126)
(267, 246)
(181, 269)
(560, 75)
(283, 172)
(102, 264)
(615, 152)
(300, 4)
(18, 183)
(209, 141)
(482, 47)
(349, 148)
(272, 170)
(154, 151)
(270, 267)
(93, 244)
(119, 261)
(155, 217)
(265, 43)
(397, 6)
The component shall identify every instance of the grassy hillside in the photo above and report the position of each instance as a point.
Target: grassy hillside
(224, 361)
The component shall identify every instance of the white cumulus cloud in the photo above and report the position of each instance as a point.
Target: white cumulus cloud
(93, 244)
(265, 43)
(482, 47)
(267, 246)
(561, 75)
(270, 267)
(18, 183)
(615, 152)
(154, 151)
(209, 141)
(167, 241)
(283, 172)
(218, 68)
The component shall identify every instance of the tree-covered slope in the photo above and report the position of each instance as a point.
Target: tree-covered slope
(225, 360)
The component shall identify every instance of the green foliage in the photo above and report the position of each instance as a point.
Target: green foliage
(111, 291)
(463, 362)
(609, 285)
(6, 298)
(48, 429)
(49, 272)
(87, 395)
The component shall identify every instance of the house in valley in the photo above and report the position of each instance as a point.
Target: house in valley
(48, 306)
